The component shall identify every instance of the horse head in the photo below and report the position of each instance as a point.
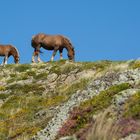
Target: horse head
(15, 54)
(71, 54)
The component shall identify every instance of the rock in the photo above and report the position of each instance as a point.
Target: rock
(94, 88)
(85, 74)
(52, 77)
(131, 137)
(68, 138)
(70, 79)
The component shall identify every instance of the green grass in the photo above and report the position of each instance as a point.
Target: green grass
(71, 89)
(135, 64)
(68, 68)
(4, 96)
(99, 65)
(132, 107)
(25, 89)
(18, 114)
(41, 76)
(22, 68)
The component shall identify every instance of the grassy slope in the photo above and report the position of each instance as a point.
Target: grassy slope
(24, 93)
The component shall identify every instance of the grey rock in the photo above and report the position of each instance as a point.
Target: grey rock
(68, 138)
(93, 89)
(52, 77)
(70, 79)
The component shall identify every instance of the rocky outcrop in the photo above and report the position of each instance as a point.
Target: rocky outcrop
(94, 88)
(41, 97)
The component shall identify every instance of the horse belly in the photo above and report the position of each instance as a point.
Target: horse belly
(48, 47)
(2, 52)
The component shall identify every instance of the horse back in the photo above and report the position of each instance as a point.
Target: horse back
(5, 49)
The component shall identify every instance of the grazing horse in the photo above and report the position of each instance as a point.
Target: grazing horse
(7, 51)
(51, 42)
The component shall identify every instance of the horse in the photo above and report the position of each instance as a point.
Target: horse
(51, 42)
(7, 51)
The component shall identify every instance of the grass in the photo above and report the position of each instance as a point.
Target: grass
(132, 107)
(99, 65)
(82, 115)
(22, 68)
(71, 89)
(41, 76)
(2, 88)
(3, 96)
(135, 64)
(18, 115)
(18, 89)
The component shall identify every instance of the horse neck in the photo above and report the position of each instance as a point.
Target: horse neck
(69, 49)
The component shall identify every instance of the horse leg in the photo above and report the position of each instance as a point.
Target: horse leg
(61, 56)
(38, 58)
(33, 57)
(5, 60)
(36, 54)
(53, 55)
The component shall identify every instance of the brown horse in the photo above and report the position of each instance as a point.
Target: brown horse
(51, 42)
(7, 51)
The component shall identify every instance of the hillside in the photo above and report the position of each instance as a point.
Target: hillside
(70, 101)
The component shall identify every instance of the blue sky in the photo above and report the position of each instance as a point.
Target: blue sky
(99, 29)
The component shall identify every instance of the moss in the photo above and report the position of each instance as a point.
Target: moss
(22, 68)
(132, 107)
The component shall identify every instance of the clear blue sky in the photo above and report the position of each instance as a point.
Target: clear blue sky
(99, 29)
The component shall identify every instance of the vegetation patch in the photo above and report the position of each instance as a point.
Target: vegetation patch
(82, 115)
(101, 65)
(55, 69)
(3, 96)
(69, 90)
(20, 114)
(22, 68)
(25, 89)
(132, 107)
(66, 69)
(41, 76)
(135, 64)
(2, 88)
